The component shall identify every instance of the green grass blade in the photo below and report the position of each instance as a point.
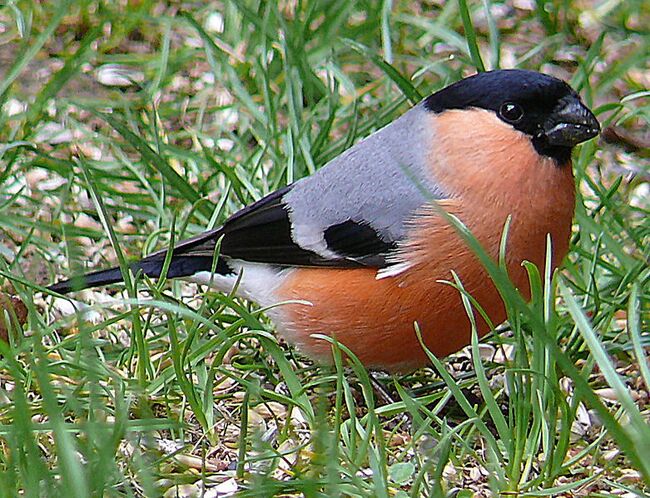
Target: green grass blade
(470, 36)
(28, 54)
(157, 162)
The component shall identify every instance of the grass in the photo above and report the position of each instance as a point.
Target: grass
(177, 390)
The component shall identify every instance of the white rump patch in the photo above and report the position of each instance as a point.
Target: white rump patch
(259, 282)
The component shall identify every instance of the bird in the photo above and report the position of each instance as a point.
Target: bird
(359, 250)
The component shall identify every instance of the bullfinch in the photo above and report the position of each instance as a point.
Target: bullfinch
(358, 250)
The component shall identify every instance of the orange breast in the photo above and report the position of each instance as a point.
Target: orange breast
(495, 175)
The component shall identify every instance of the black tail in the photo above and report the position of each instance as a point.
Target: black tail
(180, 266)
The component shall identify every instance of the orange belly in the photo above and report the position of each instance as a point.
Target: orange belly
(375, 318)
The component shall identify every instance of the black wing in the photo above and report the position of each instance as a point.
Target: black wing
(261, 233)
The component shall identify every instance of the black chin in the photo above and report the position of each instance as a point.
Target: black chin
(561, 154)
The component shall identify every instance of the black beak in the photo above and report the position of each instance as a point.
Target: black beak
(570, 123)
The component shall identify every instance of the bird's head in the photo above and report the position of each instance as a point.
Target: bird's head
(545, 108)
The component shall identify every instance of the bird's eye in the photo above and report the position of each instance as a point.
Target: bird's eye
(511, 112)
